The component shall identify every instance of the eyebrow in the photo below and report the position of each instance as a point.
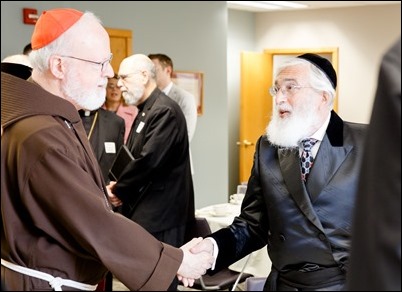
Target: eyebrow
(287, 80)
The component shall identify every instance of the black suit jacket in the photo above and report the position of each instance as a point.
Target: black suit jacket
(158, 183)
(299, 223)
(376, 244)
(107, 139)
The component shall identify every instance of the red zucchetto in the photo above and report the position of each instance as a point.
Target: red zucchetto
(51, 24)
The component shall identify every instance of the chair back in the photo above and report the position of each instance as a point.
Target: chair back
(199, 227)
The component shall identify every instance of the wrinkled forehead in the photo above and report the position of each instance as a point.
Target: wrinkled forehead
(296, 73)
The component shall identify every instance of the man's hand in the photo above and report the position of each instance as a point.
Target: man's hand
(114, 200)
(205, 245)
(193, 265)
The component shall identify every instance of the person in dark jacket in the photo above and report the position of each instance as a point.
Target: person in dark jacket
(376, 244)
(301, 193)
(157, 187)
(105, 131)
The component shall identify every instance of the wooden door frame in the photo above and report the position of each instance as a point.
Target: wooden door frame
(122, 52)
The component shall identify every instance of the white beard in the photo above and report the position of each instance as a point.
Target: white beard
(134, 96)
(87, 100)
(288, 132)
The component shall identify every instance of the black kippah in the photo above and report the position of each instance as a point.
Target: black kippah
(323, 64)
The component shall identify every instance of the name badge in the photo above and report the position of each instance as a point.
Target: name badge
(110, 147)
(140, 126)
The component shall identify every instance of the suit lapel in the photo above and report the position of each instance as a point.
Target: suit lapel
(290, 167)
(326, 163)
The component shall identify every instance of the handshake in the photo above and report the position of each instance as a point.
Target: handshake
(197, 259)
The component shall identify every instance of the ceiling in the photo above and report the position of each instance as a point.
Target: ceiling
(312, 5)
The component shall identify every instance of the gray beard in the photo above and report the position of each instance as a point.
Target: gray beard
(288, 132)
(133, 97)
(87, 100)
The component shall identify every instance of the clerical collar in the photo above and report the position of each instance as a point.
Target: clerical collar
(85, 113)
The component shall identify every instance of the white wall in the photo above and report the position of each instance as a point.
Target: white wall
(362, 35)
(241, 37)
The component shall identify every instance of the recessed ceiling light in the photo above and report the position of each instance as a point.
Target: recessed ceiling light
(268, 5)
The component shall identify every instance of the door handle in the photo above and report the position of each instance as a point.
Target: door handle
(245, 143)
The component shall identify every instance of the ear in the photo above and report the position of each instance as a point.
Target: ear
(56, 66)
(169, 70)
(145, 77)
(325, 97)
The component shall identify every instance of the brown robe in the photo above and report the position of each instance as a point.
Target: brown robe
(55, 213)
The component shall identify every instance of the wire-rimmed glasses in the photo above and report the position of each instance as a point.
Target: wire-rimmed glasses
(287, 89)
(102, 64)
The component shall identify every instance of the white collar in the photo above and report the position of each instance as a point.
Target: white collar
(167, 89)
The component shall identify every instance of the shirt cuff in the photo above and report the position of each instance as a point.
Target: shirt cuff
(215, 251)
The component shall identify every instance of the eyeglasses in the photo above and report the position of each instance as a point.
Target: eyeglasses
(125, 76)
(102, 64)
(287, 89)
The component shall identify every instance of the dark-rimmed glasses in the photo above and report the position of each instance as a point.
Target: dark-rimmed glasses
(102, 64)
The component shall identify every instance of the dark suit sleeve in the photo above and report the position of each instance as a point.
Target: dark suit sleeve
(376, 242)
(248, 231)
(161, 140)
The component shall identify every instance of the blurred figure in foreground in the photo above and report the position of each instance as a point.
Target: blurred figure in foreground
(376, 245)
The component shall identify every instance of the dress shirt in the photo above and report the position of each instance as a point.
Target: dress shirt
(318, 135)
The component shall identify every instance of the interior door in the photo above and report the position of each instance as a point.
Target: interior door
(120, 45)
(256, 103)
(255, 106)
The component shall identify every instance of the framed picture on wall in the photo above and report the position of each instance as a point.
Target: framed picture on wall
(193, 82)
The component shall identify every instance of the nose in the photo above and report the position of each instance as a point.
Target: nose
(109, 73)
(280, 97)
(119, 83)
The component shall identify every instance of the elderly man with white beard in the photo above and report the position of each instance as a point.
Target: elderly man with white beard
(301, 191)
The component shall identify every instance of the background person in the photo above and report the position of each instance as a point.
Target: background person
(157, 187)
(186, 101)
(376, 244)
(114, 102)
(105, 131)
(53, 198)
(303, 219)
(17, 65)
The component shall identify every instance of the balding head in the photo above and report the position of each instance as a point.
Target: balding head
(137, 62)
(137, 78)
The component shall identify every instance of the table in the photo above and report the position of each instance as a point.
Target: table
(259, 263)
